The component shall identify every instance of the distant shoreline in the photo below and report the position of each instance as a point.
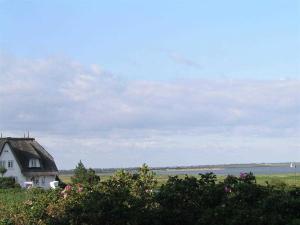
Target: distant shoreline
(190, 168)
(193, 169)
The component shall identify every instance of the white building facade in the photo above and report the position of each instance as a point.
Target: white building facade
(27, 162)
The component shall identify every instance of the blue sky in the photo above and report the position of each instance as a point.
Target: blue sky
(120, 83)
(156, 39)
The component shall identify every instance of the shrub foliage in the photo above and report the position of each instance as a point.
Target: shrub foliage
(135, 199)
(84, 176)
(8, 182)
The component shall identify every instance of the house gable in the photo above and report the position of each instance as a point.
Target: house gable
(10, 162)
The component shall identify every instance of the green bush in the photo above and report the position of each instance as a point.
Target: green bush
(8, 182)
(84, 176)
(135, 199)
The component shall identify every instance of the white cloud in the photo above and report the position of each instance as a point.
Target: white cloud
(85, 109)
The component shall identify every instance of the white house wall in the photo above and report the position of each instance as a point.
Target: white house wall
(7, 155)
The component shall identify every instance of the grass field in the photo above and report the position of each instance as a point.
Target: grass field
(288, 179)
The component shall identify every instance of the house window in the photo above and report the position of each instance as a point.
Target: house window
(35, 180)
(10, 164)
(2, 163)
(34, 163)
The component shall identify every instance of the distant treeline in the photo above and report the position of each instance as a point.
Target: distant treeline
(219, 166)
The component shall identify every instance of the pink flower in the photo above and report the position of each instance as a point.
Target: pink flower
(80, 189)
(227, 189)
(243, 175)
(68, 188)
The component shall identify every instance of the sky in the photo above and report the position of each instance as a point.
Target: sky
(168, 83)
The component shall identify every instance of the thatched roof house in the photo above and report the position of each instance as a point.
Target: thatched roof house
(26, 160)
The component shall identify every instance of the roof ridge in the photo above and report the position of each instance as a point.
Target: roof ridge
(17, 138)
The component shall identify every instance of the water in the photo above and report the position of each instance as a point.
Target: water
(234, 170)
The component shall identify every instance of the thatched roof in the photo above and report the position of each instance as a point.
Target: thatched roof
(25, 149)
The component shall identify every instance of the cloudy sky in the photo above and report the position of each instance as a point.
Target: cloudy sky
(120, 83)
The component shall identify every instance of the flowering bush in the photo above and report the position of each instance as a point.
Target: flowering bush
(135, 199)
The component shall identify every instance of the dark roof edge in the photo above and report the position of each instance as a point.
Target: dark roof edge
(18, 139)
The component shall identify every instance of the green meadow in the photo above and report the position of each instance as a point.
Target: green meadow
(274, 179)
